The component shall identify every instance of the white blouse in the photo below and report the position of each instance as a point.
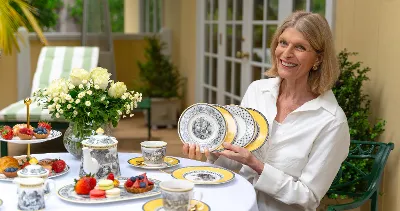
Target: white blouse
(302, 155)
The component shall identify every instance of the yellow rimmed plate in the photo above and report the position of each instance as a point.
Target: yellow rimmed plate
(204, 175)
(157, 205)
(139, 163)
(262, 137)
(232, 129)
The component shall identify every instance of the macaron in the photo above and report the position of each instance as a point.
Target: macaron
(113, 193)
(97, 194)
(105, 184)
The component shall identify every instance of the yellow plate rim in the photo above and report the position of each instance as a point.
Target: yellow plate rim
(207, 207)
(256, 145)
(208, 183)
(156, 167)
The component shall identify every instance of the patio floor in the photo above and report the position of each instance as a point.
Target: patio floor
(129, 133)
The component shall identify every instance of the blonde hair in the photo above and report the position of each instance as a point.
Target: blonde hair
(316, 30)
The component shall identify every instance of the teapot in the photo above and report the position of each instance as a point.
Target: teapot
(99, 156)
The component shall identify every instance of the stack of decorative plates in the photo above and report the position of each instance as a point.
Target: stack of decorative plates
(210, 125)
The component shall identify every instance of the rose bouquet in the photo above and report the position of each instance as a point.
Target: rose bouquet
(88, 99)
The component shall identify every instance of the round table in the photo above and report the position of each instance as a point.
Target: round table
(238, 194)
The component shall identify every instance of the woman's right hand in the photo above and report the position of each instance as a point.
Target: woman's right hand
(193, 152)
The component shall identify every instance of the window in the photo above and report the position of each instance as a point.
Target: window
(151, 12)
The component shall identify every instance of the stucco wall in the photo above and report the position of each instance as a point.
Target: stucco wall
(371, 28)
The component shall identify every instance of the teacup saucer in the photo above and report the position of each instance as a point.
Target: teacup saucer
(157, 205)
(139, 163)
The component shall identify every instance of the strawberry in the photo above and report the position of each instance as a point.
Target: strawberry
(58, 165)
(110, 176)
(45, 124)
(90, 178)
(128, 183)
(82, 186)
(25, 164)
(6, 132)
(136, 184)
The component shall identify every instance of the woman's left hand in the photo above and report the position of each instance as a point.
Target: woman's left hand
(242, 156)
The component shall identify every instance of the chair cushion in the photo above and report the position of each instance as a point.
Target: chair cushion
(16, 112)
(56, 62)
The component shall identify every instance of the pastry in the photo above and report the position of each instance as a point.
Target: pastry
(25, 133)
(10, 172)
(40, 133)
(138, 184)
(105, 184)
(97, 194)
(17, 127)
(113, 193)
(8, 161)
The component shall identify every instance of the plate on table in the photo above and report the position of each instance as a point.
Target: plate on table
(16, 140)
(202, 124)
(157, 205)
(68, 193)
(247, 128)
(204, 175)
(21, 159)
(263, 130)
(139, 163)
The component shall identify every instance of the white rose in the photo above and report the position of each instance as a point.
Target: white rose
(69, 106)
(117, 89)
(131, 115)
(57, 115)
(75, 113)
(96, 86)
(61, 111)
(87, 103)
(77, 101)
(119, 112)
(58, 106)
(57, 87)
(80, 86)
(89, 92)
(100, 77)
(68, 97)
(78, 75)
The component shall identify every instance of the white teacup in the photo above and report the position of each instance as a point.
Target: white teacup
(31, 193)
(36, 171)
(177, 195)
(154, 152)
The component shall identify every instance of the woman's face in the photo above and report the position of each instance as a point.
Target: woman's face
(294, 55)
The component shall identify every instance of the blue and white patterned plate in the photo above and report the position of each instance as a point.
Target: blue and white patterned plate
(68, 193)
(246, 125)
(202, 124)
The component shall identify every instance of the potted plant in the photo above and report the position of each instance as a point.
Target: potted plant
(161, 81)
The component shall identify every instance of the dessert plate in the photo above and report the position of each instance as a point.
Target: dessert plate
(139, 163)
(157, 205)
(53, 174)
(204, 175)
(232, 129)
(245, 123)
(68, 193)
(16, 140)
(263, 130)
(202, 124)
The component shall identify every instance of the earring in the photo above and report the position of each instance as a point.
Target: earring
(315, 67)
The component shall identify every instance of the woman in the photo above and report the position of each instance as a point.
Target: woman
(309, 135)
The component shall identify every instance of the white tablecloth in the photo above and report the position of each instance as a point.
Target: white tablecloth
(238, 195)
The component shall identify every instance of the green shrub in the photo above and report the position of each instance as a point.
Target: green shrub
(356, 105)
